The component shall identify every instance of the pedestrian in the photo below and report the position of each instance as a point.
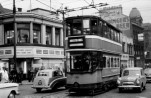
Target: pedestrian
(4, 77)
(20, 76)
(29, 75)
(13, 74)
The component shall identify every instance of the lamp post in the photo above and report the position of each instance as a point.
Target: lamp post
(14, 16)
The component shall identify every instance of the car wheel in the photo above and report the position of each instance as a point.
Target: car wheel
(120, 90)
(144, 87)
(141, 89)
(38, 89)
(54, 88)
(11, 95)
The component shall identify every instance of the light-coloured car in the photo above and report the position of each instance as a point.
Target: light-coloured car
(147, 72)
(49, 79)
(132, 78)
(8, 90)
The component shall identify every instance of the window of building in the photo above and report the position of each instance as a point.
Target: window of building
(23, 36)
(57, 35)
(48, 36)
(112, 62)
(9, 37)
(8, 33)
(36, 33)
(23, 33)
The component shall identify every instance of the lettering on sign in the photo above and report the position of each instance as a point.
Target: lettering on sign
(57, 52)
(8, 52)
(1, 52)
(51, 52)
(45, 51)
(38, 51)
(21, 51)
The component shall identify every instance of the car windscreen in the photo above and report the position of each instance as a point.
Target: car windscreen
(131, 72)
(43, 74)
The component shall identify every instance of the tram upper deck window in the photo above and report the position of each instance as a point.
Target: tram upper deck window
(86, 26)
(94, 26)
(77, 27)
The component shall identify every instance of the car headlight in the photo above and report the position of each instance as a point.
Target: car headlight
(119, 81)
(137, 81)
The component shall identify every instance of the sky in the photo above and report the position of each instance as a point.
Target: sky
(144, 6)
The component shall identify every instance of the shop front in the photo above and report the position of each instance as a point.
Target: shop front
(29, 58)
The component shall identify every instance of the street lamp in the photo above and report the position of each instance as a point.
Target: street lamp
(14, 16)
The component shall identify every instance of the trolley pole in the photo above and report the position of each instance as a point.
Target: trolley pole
(14, 16)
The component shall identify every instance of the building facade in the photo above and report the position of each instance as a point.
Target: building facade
(138, 39)
(114, 15)
(147, 43)
(39, 40)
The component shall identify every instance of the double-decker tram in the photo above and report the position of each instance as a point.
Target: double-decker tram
(94, 49)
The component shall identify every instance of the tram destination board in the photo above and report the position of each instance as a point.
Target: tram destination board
(76, 42)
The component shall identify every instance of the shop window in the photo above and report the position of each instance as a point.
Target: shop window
(36, 34)
(48, 36)
(57, 39)
(23, 33)
(23, 36)
(108, 62)
(9, 33)
(112, 65)
(9, 37)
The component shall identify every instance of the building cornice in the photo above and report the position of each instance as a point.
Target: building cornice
(30, 15)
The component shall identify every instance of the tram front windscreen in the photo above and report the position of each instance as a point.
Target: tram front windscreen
(86, 61)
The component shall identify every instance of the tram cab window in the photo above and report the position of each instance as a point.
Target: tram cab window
(87, 61)
(86, 26)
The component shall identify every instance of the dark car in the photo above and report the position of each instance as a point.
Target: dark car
(147, 72)
(49, 79)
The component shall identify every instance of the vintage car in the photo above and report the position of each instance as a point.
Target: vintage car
(147, 72)
(132, 78)
(8, 90)
(49, 79)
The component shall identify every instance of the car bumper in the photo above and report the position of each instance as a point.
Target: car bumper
(129, 86)
(43, 87)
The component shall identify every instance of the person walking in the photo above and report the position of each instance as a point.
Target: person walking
(4, 77)
(20, 76)
(29, 75)
(14, 74)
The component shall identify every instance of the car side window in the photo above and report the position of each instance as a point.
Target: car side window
(57, 73)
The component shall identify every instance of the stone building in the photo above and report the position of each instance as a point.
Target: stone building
(114, 15)
(147, 43)
(39, 39)
(138, 41)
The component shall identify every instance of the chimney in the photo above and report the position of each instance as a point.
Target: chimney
(19, 9)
